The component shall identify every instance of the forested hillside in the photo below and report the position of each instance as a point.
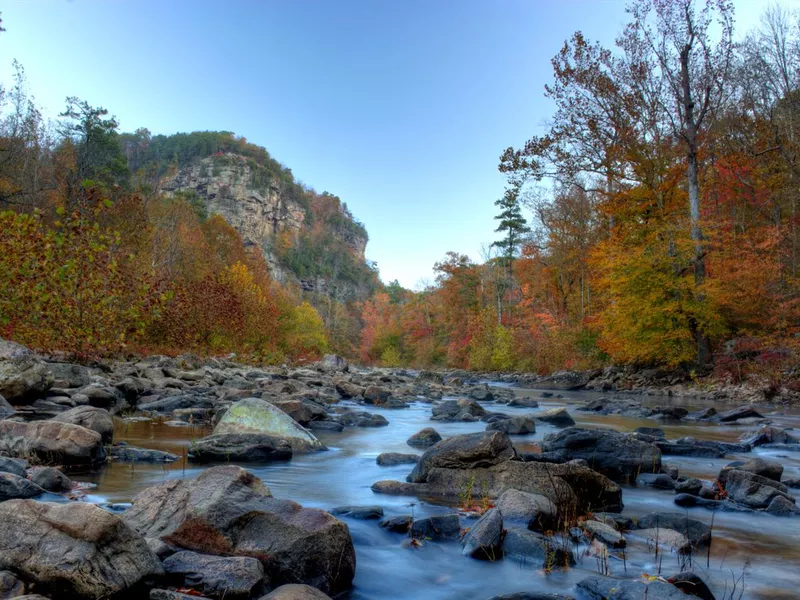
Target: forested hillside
(664, 195)
(114, 242)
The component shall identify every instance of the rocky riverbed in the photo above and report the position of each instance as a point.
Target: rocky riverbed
(169, 478)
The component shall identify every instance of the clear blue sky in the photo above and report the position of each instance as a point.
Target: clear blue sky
(401, 108)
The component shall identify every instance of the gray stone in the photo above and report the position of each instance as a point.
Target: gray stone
(222, 577)
(424, 438)
(484, 538)
(91, 417)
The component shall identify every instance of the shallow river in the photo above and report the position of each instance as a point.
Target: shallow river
(762, 548)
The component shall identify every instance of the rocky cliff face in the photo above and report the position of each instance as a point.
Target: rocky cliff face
(262, 207)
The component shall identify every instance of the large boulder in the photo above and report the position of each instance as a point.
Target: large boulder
(23, 376)
(753, 491)
(228, 511)
(536, 550)
(253, 415)
(296, 591)
(558, 417)
(608, 588)
(467, 451)
(240, 447)
(457, 410)
(13, 486)
(424, 438)
(91, 417)
(517, 425)
(223, 577)
(697, 532)
(533, 511)
(52, 442)
(619, 456)
(770, 435)
(484, 539)
(766, 468)
(74, 550)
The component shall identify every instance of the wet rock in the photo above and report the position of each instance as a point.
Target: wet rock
(10, 586)
(618, 456)
(783, 507)
(698, 533)
(655, 432)
(52, 442)
(770, 435)
(669, 413)
(172, 403)
(660, 481)
(563, 381)
(666, 538)
(441, 527)
(304, 412)
(688, 446)
(521, 425)
(256, 416)
(159, 594)
(96, 419)
(75, 550)
(227, 510)
(125, 453)
(614, 520)
(688, 501)
(484, 538)
(691, 584)
(533, 511)
(240, 447)
(397, 524)
(362, 419)
(789, 483)
(466, 451)
(670, 469)
(50, 479)
(374, 394)
(481, 393)
(326, 426)
(234, 577)
(358, 512)
(457, 410)
(531, 596)
(5, 408)
(13, 486)
(430, 377)
(558, 417)
(602, 588)
(102, 396)
(701, 415)
(294, 591)
(389, 459)
(525, 401)
(766, 468)
(536, 550)
(604, 533)
(692, 486)
(424, 438)
(347, 389)
(12, 465)
(742, 412)
(753, 491)
(617, 406)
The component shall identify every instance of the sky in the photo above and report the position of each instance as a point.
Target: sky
(401, 108)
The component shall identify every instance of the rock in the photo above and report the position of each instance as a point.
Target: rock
(294, 591)
(531, 596)
(563, 381)
(10, 586)
(758, 466)
(753, 491)
(769, 435)
(481, 393)
(68, 375)
(253, 415)
(227, 510)
(782, 507)
(617, 406)
(23, 376)
(656, 480)
(52, 442)
(5, 408)
(692, 486)
(614, 520)
(533, 511)
(603, 533)
(159, 594)
(484, 538)
(235, 577)
(172, 403)
(558, 417)
(651, 431)
(103, 397)
(608, 588)
(669, 413)
(374, 394)
(789, 483)
(536, 550)
(397, 524)
(457, 410)
(96, 419)
(688, 501)
(12, 465)
(466, 451)
(424, 438)
(13, 486)
(667, 538)
(525, 401)
(50, 479)
(74, 550)
(442, 527)
(520, 425)
(691, 584)
(358, 512)
(362, 419)
(670, 469)
(389, 459)
(618, 456)
(743, 412)
(333, 362)
(304, 412)
(240, 447)
(688, 446)
(326, 426)
(125, 453)
(430, 377)
(698, 533)
(701, 415)
(348, 389)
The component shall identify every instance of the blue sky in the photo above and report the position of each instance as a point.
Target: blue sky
(400, 108)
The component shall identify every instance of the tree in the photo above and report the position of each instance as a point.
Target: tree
(513, 224)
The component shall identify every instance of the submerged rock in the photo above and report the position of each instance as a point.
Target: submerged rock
(125, 453)
(227, 510)
(73, 550)
(389, 459)
(442, 527)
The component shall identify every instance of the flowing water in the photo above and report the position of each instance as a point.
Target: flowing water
(757, 550)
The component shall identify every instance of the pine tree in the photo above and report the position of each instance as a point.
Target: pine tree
(513, 224)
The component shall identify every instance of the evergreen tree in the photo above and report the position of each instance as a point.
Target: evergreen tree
(512, 223)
